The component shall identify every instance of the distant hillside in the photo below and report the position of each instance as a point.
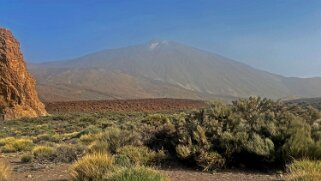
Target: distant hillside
(162, 69)
(314, 102)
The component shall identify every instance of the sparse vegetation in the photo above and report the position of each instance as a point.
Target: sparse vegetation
(314, 102)
(253, 133)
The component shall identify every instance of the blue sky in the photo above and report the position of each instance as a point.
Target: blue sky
(280, 36)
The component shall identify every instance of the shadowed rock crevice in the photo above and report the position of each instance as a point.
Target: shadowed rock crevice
(18, 96)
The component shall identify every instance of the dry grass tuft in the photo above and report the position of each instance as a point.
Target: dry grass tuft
(5, 171)
(305, 170)
(92, 167)
(43, 153)
(138, 174)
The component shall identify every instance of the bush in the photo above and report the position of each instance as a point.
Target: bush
(116, 138)
(210, 161)
(43, 153)
(65, 153)
(131, 155)
(92, 167)
(183, 151)
(15, 145)
(138, 174)
(305, 170)
(5, 171)
(252, 132)
(110, 140)
(26, 158)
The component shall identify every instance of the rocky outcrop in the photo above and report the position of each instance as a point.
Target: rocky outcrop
(18, 96)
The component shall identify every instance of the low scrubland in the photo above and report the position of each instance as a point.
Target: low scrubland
(249, 133)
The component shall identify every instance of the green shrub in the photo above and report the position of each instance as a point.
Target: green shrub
(26, 158)
(269, 131)
(183, 151)
(66, 153)
(259, 146)
(314, 150)
(298, 144)
(123, 161)
(209, 161)
(92, 167)
(305, 170)
(131, 155)
(110, 140)
(138, 174)
(116, 138)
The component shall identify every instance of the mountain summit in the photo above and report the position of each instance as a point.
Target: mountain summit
(154, 44)
(163, 69)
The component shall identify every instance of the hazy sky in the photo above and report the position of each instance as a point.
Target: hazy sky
(280, 36)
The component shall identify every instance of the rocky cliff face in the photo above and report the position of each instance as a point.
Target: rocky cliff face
(18, 96)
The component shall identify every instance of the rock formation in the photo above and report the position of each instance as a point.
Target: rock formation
(18, 95)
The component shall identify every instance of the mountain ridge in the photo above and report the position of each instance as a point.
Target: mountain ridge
(194, 72)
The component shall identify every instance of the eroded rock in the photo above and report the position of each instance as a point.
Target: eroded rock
(18, 95)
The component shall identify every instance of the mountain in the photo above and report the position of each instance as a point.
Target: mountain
(162, 69)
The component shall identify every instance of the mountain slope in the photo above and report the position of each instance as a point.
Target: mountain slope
(99, 84)
(167, 69)
(314, 102)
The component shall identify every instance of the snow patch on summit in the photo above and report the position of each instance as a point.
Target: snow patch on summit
(156, 44)
(153, 45)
